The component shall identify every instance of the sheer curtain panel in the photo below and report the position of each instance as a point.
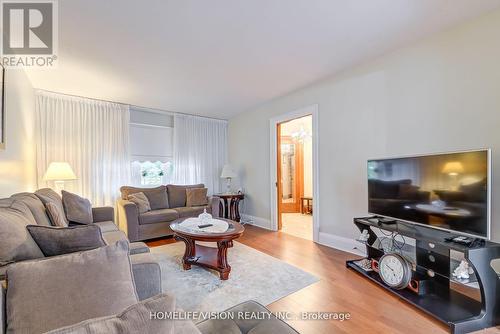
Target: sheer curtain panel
(92, 136)
(200, 151)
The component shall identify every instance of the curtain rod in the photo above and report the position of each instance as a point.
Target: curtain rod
(146, 109)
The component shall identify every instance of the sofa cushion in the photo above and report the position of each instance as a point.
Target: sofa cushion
(177, 194)
(185, 326)
(69, 288)
(47, 195)
(56, 216)
(138, 247)
(134, 319)
(106, 226)
(158, 216)
(36, 207)
(191, 211)
(112, 237)
(57, 241)
(77, 208)
(253, 325)
(216, 326)
(141, 201)
(196, 196)
(157, 197)
(16, 243)
(272, 326)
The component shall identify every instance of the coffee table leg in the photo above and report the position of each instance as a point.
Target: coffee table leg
(224, 267)
(189, 253)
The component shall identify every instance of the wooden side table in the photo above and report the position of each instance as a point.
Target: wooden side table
(307, 208)
(229, 206)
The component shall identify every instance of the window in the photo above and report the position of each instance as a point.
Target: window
(151, 144)
(147, 173)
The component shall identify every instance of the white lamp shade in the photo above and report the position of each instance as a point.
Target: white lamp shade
(228, 172)
(59, 171)
(453, 168)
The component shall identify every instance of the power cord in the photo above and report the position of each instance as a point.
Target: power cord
(390, 243)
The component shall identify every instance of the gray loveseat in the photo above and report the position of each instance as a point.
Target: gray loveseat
(164, 210)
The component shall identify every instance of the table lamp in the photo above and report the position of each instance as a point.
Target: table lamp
(453, 169)
(59, 172)
(228, 173)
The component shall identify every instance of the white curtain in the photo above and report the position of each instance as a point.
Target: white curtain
(92, 136)
(200, 151)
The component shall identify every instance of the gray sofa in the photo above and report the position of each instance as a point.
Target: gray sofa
(164, 210)
(147, 270)
(265, 323)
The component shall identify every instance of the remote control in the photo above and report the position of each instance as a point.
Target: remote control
(205, 225)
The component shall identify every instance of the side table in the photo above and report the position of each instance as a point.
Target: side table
(307, 208)
(229, 206)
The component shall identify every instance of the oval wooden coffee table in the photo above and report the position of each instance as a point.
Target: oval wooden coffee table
(209, 257)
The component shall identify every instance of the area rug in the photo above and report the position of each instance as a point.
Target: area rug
(254, 276)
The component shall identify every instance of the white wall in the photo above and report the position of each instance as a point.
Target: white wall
(440, 94)
(17, 161)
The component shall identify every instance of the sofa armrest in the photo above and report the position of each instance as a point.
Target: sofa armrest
(215, 203)
(128, 219)
(3, 311)
(147, 275)
(104, 213)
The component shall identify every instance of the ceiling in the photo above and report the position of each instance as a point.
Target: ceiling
(220, 57)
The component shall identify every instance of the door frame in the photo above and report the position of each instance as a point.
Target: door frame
(273, 149)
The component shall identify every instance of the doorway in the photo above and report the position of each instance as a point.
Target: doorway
(294, 155)
(295, 177)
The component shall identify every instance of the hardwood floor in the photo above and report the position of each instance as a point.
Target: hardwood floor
(372, 309)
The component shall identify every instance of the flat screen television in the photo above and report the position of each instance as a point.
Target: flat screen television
(449, 191)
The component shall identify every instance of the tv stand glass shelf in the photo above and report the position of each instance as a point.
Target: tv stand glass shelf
(433, 265)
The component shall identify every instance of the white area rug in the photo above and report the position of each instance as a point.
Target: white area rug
(254, 276)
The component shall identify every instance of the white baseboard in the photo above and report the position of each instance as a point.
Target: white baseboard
(256, 221)
(325, 239)
(341, 243)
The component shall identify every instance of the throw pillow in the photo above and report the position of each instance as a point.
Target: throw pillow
(69, 288)
(196, 196)
(157, 197)
(78, 209)
(36, 207)
(62, 240)
(16, 243)
(135, 319)
(56, 216)
(47, 195)
(141, 201)
(177, 194)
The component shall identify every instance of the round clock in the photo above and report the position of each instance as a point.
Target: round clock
(395, 271)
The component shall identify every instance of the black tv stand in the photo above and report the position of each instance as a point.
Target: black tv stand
(460, 312)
